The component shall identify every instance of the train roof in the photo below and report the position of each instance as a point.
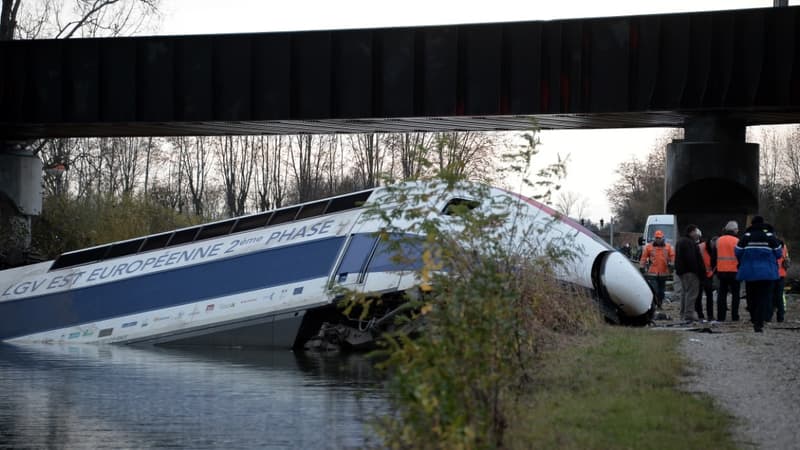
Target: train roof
(212, 230)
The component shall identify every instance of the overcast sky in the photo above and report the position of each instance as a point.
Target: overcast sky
(594, 154)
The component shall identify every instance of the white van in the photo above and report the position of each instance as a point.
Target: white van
(667, 223)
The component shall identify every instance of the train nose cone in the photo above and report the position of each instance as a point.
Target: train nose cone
(626, 286)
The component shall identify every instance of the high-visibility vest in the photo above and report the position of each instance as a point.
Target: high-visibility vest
(659, 258)
(706, 259)
(781, 269)
(726, 256)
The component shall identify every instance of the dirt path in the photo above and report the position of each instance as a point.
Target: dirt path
(753, 376)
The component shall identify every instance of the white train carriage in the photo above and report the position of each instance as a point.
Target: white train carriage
(259, 280)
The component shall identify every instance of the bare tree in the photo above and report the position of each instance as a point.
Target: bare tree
(779, 154)
(170, 191)
(64, 19)
(112, 165)
(79, 171)
(92, 160)
(791, 156)
(307, 161)
(149, 150)
(262, 179)
(131, 150)
(111, 153)
(779, 175)
(572, 204)
(368, 153)
(330, 155)
(277, 173)
(270, 178)
(639, 190)
(410, 150)
(339, 166)
(770, 152)
(195, 165)
(98, 165)
(466, 154)
(237, 159)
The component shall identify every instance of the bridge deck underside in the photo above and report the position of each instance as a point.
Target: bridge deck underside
(618, 72)
(401, 125)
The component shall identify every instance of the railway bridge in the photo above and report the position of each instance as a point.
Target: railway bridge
(711, 73)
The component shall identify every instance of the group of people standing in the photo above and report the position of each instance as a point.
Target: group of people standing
(757, 258)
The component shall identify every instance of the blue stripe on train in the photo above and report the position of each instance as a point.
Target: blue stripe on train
(169, 288)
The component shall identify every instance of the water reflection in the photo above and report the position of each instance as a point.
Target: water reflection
(121, 397)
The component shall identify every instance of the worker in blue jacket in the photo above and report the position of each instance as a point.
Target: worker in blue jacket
(758, 252)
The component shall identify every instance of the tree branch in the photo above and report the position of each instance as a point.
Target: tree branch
(77, 24)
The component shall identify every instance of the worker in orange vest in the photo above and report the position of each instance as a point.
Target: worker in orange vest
(709, 254)
(778, 299)
(657, 260)
(727, 266)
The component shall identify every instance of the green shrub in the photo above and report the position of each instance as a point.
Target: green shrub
(494, 303)
(456, 385)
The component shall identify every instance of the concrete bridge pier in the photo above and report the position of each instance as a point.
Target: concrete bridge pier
(20, 198)
(712, 175)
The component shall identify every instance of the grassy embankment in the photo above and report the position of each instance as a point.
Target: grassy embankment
(617, 388)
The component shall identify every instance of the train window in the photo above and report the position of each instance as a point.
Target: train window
(251, 222)
(313, 209)
(215, 229)
(456, 205)
(183, 236)
(396, 254)
(124, 248)
(348, 202)
(81, 257)
(284, 215)
(157, 241)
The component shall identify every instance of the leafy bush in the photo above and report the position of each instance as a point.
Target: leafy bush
(456, 385)
(494, 303)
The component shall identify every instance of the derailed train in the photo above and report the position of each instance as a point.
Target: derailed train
(270, 279)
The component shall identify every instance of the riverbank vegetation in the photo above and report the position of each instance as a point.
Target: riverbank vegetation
(515, 361)
(594, 387)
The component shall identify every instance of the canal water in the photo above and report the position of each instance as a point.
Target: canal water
(91, 397)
